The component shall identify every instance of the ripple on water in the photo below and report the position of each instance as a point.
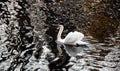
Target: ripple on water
(107, 69)
(113, 56)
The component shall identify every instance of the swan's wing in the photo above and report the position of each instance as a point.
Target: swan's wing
(72, 37)
(74, 50)
(80, 35)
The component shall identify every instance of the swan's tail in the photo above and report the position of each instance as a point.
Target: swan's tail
(82, 43)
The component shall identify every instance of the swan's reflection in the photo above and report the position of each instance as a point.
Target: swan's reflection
(72, 50)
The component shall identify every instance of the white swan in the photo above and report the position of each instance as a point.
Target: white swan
(73, 38)
(70, 42)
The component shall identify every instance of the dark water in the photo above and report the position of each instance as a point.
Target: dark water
(28, 30)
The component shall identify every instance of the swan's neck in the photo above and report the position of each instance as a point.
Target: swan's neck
(60, 32)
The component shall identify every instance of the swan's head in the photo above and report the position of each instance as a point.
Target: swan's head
(59, 27)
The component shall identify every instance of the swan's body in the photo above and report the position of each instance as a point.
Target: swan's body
(73, 38)
(71, 41)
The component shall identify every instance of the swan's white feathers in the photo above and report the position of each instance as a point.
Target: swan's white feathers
(69, 38)
(73, 37)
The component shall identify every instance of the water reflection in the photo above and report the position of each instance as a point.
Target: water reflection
(97, 58)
